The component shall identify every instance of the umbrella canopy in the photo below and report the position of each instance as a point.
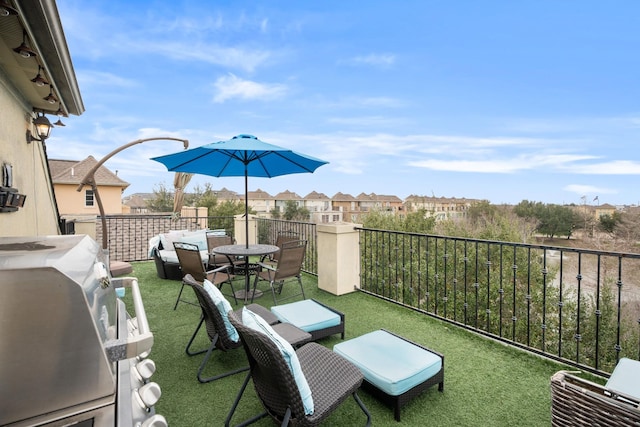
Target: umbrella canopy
(242, 155)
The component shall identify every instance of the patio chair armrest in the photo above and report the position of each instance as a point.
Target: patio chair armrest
(224, 268)
(266, 266)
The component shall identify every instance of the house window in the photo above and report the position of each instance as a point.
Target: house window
(88, 198)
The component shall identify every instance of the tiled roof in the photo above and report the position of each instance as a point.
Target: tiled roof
(287, 195)
(314, 195)
(73, 171)
(258, 195)
(341, 197)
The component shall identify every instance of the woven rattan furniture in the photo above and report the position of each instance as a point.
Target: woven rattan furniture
(331, 378)
(312, 316)
(395, 369)
(217, 331)
(191, 264)
(579, 402)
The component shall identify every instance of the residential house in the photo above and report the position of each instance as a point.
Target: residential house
(604, 209)
(226, 195)
(439, 207)
(383, 203)
(66, 175)
(347, 205)
(27, 195)
(136, 203)
(320, 208)
(283, 197)
(261, 202)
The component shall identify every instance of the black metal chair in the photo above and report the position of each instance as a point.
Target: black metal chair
(331, 378)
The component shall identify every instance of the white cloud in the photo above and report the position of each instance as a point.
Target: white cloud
(505, 165)
(233, 57)
(231, 86)
(99, 78)
(614, 167)
(378, 60)
(588, 189)
(483, 166)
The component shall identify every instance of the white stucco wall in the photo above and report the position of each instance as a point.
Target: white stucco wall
(30, 176)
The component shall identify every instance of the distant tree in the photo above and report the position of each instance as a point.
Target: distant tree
(275, 213)
(414, 222)
(527, 209)
(228, 208)
(202, 197)
(162, 200)
(481, 210)
(553, 220)
(556, 220)
(493, 222)
(293, 212)
(628, 229)
(608, 223)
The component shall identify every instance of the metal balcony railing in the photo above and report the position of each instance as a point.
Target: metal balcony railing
(268, 230)
(580, 307)
(128, 235)
(577, 306)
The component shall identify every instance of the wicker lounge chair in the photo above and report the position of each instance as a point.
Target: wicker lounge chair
(289, 266)
(191, 263)
(219, 336)
(330, 377)
(579, 402)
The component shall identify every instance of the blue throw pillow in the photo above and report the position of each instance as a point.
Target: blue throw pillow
(253, 321)
(223, 307)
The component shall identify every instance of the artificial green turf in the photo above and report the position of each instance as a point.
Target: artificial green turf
(486, 383)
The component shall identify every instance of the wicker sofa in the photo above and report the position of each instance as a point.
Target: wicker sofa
(162, 251)
(579, 402)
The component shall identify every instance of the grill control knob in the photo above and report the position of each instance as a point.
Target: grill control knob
(149, 394)
(155, 421)
(146, 368)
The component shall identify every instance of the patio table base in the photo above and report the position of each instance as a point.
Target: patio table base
(248, 296)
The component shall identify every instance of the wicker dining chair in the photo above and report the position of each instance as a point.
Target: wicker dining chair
(331, 379)
(191, 263)
(218, 333)
(289, 266)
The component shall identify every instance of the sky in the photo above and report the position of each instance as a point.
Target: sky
(497, 100)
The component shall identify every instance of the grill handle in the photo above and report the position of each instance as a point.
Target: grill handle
(140, 340)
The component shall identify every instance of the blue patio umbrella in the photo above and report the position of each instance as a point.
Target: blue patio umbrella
(242, 155)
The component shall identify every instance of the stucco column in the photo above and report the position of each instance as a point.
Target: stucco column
(338, 257)
(239, 229)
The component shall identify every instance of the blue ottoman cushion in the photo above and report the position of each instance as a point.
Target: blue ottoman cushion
(306, 315)
(388, 362)
(625, 378)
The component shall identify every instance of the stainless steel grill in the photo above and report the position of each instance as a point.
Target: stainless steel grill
(69, 351)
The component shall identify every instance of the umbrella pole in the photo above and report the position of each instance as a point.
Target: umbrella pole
(246, 207)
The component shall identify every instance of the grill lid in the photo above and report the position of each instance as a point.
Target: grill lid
(57, 311)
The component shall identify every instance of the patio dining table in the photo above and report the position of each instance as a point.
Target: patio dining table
(246, 252)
